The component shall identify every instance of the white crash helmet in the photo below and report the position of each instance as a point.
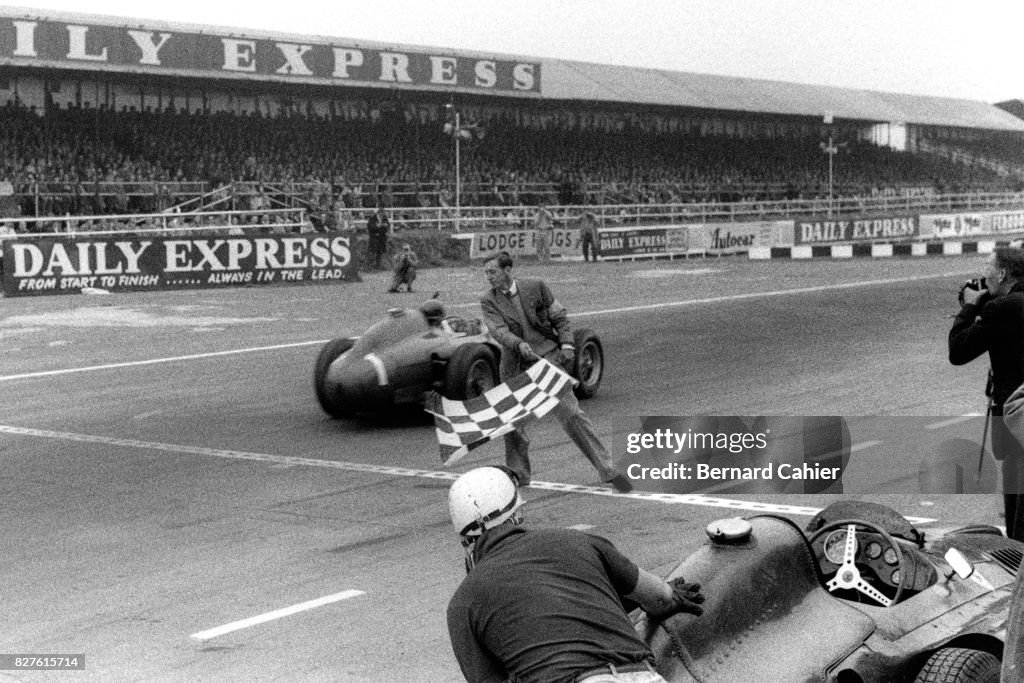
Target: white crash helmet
(482, 498)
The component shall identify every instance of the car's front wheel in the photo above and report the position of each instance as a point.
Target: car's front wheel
(329, 396)
(960, 665)
(471, 371)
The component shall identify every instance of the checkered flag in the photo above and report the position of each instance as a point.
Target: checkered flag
(463, 425)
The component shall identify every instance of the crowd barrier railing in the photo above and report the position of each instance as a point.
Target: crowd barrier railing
(472, 219)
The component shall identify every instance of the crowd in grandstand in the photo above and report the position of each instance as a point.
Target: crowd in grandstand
(94, 160)
(1002, 153)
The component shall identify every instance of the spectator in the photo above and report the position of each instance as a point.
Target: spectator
(588, 236)
(377, 228)
(331, 222)
(543, 226)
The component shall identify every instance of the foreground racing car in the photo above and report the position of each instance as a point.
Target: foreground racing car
(860, 596)
(413, 351)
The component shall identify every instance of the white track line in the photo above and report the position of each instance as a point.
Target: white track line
(581, 314)
(276, 614)
(288, 460)
(951, 421)
(154, 361)
(757, 295)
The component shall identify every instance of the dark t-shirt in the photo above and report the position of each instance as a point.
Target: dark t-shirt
(544, 605)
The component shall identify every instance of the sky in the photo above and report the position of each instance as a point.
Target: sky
(964, 49)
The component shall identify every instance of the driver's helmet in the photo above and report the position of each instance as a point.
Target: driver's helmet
(482, 498)
(433, 311)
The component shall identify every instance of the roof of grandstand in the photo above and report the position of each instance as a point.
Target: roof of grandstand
(558, 79)
(583, 81)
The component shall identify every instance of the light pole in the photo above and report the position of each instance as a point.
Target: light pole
(458, 174)
(831, 150)
(455, 130)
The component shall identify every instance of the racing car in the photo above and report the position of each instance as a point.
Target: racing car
(860, 595)
(413, 351)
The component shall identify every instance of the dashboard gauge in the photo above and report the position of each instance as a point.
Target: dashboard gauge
(889, 556)
(873, 550)
(895, 578)
(835, 546)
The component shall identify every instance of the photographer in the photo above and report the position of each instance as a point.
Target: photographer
(991, 319)
(405, 269)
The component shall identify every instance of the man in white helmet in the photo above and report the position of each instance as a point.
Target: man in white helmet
(547, 605)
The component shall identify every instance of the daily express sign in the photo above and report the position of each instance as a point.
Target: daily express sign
(99, 47)
(69, 266)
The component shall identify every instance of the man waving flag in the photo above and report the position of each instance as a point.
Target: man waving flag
(463, 425)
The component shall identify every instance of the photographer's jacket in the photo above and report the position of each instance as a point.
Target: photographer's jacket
(995, 325)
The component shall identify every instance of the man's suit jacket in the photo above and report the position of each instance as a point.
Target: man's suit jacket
(542, 311)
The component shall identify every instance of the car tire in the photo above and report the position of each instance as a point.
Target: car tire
(472, 370)
(960, 665)
(328, 397)
(588, 366)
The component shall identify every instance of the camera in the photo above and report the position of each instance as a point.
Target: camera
(976, 284)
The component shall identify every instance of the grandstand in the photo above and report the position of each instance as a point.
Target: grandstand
(102, 115)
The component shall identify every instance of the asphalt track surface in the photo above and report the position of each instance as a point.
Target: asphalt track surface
(177, 507)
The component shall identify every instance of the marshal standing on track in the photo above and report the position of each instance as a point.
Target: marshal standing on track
(529, 323)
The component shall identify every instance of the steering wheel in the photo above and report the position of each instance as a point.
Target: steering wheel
(848, 575)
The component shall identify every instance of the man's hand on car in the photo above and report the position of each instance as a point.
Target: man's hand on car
(686, 597)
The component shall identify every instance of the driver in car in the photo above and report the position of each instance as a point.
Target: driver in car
(433, 312)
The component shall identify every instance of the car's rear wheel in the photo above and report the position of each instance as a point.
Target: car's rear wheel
(329, 396)
(472, 370)
(588, 367)
(960, 665)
